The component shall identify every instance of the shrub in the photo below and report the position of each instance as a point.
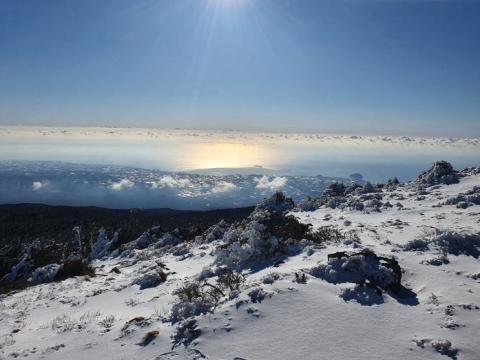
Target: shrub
(185, 333)
(189, 292)
(335, 189)
(151, 279)
(107, 322)
(231, 280)
(63, 323)
(360, 267)
(74, 267)
(193, 300)
(440, 173)
(300, 278)
(326, 233)
(45, 274)
(286, 227)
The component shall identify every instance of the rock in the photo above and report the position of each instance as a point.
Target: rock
(148, 338)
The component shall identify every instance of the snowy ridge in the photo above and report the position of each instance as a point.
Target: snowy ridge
(397, 277)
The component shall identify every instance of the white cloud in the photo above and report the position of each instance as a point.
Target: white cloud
(122, 184)
(171, 182)
(37, 185)
(265, 183)
(222, 187)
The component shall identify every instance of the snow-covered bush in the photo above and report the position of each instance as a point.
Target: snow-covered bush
(258, 294)
(277, 202)
(359, 267)
(196, 298)
(23, 268)
(416, 245)
(440, 173)
(392, 184)
(335, 189)
(436, 261)
(230, 280)
(447, 242)
(151, 279)
(356, 205)
(368, 188)
(167, 240)
(308, 204)
(192, 300)
(458, 244)
(325, 234)
(107, 322)
(181, 250)
(45, 274)
(271, 278)
(73, 249)
(464, 200)
(185, 333)
(456, 199)
(103, 246)
(445, 347)
(74, 267)
(264, 235)
(336, 202)
(148, 238)
(63, 323)
(213, 233)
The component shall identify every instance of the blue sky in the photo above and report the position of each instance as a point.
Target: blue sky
(391, 67)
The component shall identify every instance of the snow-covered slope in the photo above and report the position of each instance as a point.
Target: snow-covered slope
(289, 298)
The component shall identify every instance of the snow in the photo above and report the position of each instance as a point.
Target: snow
(334, 314)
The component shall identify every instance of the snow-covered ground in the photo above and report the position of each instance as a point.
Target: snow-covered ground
(294, 301)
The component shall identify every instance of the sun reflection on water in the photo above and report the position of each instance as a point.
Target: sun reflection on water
(226, 155)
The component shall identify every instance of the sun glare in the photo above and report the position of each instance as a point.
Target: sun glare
(224, 155)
